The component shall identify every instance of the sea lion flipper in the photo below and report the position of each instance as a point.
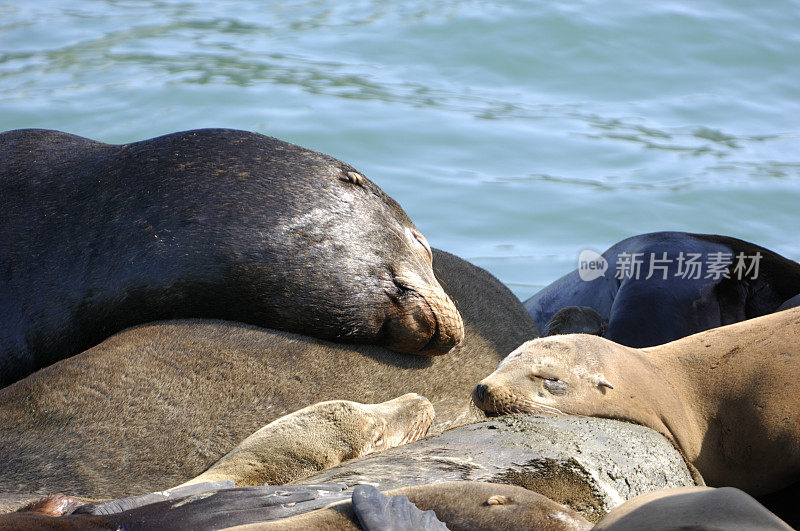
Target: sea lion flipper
(133, 502)
(377, 511)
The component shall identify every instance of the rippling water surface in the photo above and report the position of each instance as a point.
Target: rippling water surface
(515, 134)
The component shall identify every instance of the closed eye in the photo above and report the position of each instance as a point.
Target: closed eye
(552, 384)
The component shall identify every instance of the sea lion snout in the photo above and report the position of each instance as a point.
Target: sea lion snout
(494, 399)
(406, 418)
(425, 320)
(479, 393)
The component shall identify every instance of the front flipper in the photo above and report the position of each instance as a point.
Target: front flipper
(378, 512)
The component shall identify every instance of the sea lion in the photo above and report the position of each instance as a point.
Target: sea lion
(577, 320)
(214, 508)
(318, 437)
(794, 302)
(292, 447)
(727, 397)
(461, 505)
(696, 508)
(213, 223)
(662, 286)
(154, 406)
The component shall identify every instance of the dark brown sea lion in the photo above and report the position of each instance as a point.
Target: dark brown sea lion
(213, 223)
(577, 320)
(663, 286)
(154, 406)
(729, 397)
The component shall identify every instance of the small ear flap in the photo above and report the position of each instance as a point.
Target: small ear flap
(497, 499)
(353, 177)
(600, 381)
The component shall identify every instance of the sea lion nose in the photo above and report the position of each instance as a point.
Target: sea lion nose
(479, 393)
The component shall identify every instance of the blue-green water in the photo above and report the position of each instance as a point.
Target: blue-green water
(515, 134)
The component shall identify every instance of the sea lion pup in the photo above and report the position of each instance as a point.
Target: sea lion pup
(213, 223)
(318, 437)
(696, 508)
(663, 286)
(728, 397)
(156, 405)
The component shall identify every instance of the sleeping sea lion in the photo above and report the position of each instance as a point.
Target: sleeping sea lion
(213, 223)
(154, 406)
(729, 398)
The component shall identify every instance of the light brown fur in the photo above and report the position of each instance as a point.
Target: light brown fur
(156, 405)
(729, 397)
(318, 437)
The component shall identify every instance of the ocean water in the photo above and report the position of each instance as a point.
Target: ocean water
(515, 134)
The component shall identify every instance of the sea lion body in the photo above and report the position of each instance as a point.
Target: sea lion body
(660, 299)
(319, 437)
(211, 223)
(696, 508)
(794, 302)
(156, 405)
(727, 397)
(461, 505)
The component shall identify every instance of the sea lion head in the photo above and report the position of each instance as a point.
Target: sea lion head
(577, 320)
(393, 423)
(340, 430)
(346, 430)
(567, 374)
(359, 267)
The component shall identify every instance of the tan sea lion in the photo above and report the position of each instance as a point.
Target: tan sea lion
(318, 437)
(695, 508)
(156, 405)
(729, 398)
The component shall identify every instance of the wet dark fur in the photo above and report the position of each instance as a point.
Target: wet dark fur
(648, 312)
(575, 320)
(95, 238)
(154, 406)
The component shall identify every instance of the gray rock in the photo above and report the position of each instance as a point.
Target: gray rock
(592, 465)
